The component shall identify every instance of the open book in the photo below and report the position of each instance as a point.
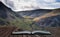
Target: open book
(32, 33)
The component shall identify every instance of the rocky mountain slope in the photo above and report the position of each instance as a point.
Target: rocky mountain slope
(11, 18)
(43, 17)
(50, 19)
(6, 14)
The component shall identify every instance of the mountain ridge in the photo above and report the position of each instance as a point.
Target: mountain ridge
(51, 19)
(6, 14)
(39, 16)
(34, 13)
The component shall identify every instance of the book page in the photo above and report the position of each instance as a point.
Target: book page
(30, 16)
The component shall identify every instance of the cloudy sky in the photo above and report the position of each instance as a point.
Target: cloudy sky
(21, 5)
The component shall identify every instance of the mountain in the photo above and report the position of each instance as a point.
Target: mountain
(51, 19)
(11, 18)
(6, 14)
(40, 17)
(43, 17)
(34, 13)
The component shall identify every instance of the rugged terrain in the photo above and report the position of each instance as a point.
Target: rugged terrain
(25, 19)
(50, 19)
(43, 17)
(6, 14)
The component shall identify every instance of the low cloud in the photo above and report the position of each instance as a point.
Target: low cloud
(21, 5)
(49, 4)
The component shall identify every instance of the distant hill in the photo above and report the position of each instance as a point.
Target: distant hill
(51, 19)
(34, 13)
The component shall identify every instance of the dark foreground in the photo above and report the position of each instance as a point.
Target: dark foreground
(7, 32)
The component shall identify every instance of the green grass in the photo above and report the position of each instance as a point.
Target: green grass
(24, 24)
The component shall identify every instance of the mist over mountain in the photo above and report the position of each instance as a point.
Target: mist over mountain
(24, 5)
